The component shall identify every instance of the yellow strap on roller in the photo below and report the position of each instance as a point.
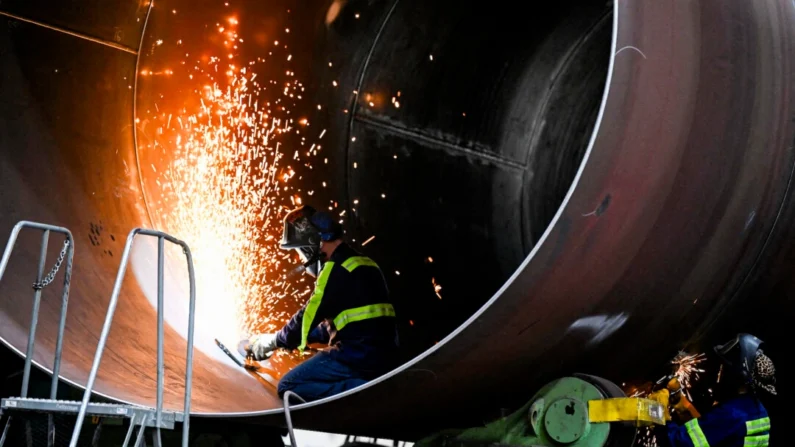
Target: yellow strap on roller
(626, 409)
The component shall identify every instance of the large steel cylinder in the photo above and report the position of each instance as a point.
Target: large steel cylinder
(585, 188)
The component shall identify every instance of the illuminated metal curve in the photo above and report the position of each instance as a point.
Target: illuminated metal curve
(683, 184)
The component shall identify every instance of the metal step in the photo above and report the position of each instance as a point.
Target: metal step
(142, 417)
(136, 413)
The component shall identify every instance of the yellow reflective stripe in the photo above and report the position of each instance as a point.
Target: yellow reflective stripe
(757, 426)
(363, 313)
(353, 262)
(696, 435)
(757, 441)
(314, 303)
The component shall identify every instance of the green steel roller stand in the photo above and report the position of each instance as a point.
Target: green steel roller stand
(556, 416)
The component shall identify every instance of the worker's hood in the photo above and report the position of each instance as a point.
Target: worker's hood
(299, 232)
(739, 354)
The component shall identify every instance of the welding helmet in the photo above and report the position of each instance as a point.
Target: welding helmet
(738, 355)
(304, 228)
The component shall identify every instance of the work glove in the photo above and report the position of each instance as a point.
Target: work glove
(685, 409)
(673, 385)
(681, 404)
(262, 345)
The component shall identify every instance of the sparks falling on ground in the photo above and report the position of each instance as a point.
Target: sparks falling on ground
(646, 438)
(228, 179)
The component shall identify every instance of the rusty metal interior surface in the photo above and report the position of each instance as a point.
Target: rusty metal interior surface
(583, 178)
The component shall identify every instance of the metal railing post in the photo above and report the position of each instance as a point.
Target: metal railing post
(38, 286)
(103, 338)
(189, 356)
(67, 282)
(34, 317)
(286, 399)
(160, 335)
(12, 240)
(162, 237)
(141, 431)
(5, 431)
(56, 367)
(129, 431)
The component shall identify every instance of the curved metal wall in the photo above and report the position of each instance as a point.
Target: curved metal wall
(68, 158)
(677, 209)
(683, 184)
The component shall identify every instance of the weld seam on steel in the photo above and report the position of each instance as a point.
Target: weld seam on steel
(418, 136)
(354, 101)
(103, 42)
(134, 113)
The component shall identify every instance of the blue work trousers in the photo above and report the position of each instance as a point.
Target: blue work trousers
(321, 376)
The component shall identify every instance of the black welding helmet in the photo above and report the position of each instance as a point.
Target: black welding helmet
(304, 228)
(739, 355)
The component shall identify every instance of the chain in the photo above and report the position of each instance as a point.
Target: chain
(54, 271)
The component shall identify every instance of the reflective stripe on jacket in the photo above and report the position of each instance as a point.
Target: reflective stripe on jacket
(349, 309)
(739, 422)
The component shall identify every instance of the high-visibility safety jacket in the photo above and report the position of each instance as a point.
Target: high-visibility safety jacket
(738, 422)
(349, 309)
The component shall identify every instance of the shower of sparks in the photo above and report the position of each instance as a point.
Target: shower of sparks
(368, 241)
(229, 182)
(687, 369)
(646, 438)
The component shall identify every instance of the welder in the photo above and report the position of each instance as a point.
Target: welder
(349, 310)
(738, 419)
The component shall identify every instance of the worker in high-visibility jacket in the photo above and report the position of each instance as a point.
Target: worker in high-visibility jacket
(349, 309)
(739, 419)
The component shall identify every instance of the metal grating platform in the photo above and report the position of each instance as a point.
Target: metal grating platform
(135, 413)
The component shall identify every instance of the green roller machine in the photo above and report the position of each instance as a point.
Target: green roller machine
(578, 411)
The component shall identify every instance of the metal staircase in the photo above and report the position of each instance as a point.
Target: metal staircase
(139, 416)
